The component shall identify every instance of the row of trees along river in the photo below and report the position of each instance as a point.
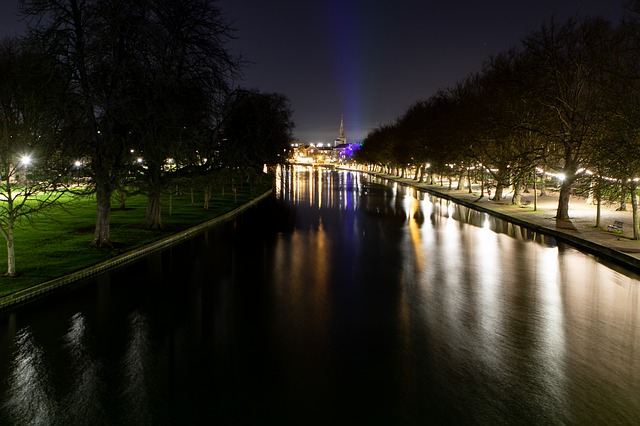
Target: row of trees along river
(564, 100)
(126, 96)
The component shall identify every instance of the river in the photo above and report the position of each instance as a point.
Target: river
(344, 299)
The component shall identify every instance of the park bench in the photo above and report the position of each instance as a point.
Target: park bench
(617, 225)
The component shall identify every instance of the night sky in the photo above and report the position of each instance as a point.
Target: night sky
(371, 60)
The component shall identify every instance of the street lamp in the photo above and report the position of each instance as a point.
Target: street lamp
(25, 160)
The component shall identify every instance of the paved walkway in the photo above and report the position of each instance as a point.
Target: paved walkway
(579, 231)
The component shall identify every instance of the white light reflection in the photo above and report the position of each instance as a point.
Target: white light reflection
(408, 203)
(320, 186)
(137, 370)
(278, 185)
(551, 337)
(486, 224)
(492, 316)
(602, 311)
(28, 399)
(550, 294)
(450, 209)
(84, 400)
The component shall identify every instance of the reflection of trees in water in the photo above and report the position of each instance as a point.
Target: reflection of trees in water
(445, 208)
(379, 199)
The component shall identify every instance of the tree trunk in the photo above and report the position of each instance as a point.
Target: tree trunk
(207, 195)
(623, 200)
(634, 204)
(562, 212)
(535, 193)
(101, 236)
(122, 199)
(517, 191)
(499, 191)
(543, 185)
(153, 216)
(591, 193)
(598, 207)
(11, 255)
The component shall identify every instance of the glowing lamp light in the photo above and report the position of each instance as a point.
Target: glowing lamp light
(139, 160)
(561, 177)
(25, 160)
(77, 163)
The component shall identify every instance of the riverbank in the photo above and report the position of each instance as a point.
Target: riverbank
(31, 293)
(579, 231)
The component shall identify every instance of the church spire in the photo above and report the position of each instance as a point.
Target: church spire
(341, 139)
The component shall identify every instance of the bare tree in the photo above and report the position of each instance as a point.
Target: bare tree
(570, 63)
(115, 51)
(32, 164)
(181, 82)
(90, 41)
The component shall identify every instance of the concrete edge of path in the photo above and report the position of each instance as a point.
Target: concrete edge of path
(34, 292)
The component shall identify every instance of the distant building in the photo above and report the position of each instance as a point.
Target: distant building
(341, 139)
(320, 153)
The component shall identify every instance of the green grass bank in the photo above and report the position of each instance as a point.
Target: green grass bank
(57, 244)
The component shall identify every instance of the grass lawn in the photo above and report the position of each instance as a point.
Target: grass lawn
(58, 243)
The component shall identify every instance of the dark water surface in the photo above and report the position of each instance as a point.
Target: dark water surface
(341, 301)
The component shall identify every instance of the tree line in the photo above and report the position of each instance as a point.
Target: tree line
(126, 96)
(564, 100)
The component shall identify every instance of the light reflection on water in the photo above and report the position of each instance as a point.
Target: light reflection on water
(138, 371)
(531, 316)
(28, 396)
(75, 391)
(86, 372)
(346, 299)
